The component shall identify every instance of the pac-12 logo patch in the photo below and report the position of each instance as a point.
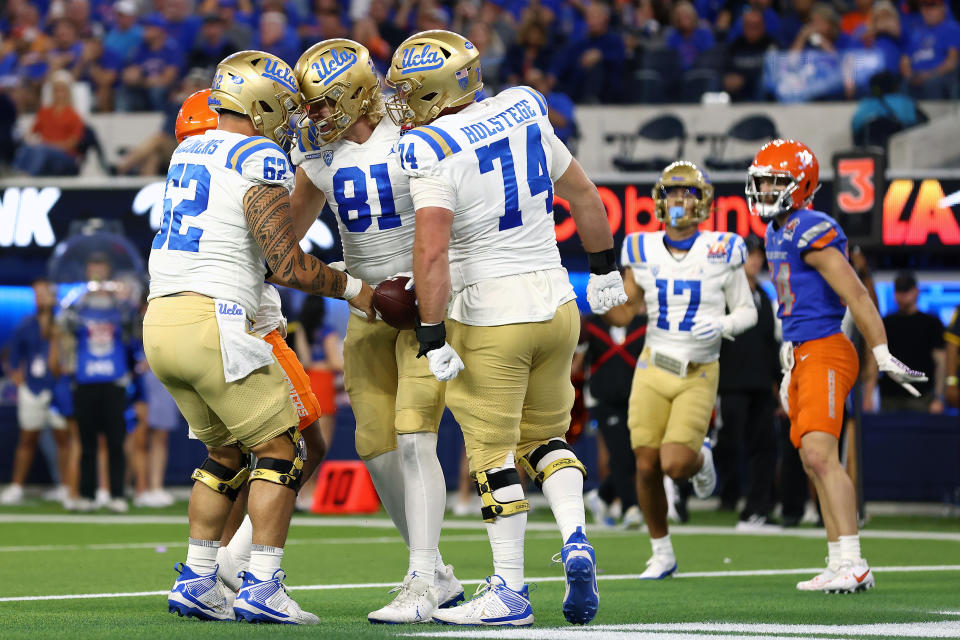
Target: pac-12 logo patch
(328, 157)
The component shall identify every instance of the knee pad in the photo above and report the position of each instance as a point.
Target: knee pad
(490, 481)
(220, 478)
(532, 459)
(288, 473)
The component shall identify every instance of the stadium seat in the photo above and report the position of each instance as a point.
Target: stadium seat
(661, 129)
(751, 130)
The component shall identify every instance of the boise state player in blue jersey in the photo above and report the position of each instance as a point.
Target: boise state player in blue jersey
(807, 251)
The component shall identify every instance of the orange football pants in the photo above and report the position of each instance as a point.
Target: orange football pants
(824, 371)
(300, 393)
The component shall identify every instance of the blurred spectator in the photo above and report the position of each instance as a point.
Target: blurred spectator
(239, 21)
(53, 147)
(28, 367)
(917, 339)
(272, 38)
(182, 24)
(881, 32)
(24, 58)
(379, 12)
(432, 16)
(77, 12)
(887, 103)
(530, 50)
(716, 12)
(8, 119)
(152, 156)
(771, 18)
(591, 69)
(366, 32)
(951, 336)
(147, 79)
(686, 37)
(67, 48)
(163, 416)
(123, 40)
(212, 45)
(793, 21)
(822, 32)
(560, 106)
(491, 52)
(748, 400)
(609, 358)
(99, 69)
(743, 74)
(930, 58)
(92, 343)
(857, 17)
(642, 28)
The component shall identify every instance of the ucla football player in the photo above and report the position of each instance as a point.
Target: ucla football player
(807, 252)
(688, 279)
(342, 153)
(482, 178)
(195, 118)
(226, 211)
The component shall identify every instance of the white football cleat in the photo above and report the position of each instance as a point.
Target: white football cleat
(228, 569)
(632, 518)
(449, 590)
(12, 495)
(415, 603)
(705, 480)
(200, 596)
(659, 567)
(816, 582)
(493, 604)
(851, 577)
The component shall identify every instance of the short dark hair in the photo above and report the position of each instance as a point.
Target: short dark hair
(905, 281)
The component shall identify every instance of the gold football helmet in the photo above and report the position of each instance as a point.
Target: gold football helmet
(262, 87)
(432, 71)
(697, 195)
(340, 72)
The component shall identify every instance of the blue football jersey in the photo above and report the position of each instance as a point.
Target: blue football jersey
(809, 307)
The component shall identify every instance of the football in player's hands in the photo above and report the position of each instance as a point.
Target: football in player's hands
(396, 302)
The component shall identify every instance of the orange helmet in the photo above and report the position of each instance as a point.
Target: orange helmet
(795, 174)
(196, 116)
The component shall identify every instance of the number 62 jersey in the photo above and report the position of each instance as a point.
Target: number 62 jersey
(700, 285)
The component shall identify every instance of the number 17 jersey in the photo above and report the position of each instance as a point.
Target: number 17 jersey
(808, 305)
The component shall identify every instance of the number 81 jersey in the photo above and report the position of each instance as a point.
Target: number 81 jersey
(369, 196)
(203, 244)
(680, 291)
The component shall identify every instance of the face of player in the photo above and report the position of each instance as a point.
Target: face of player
(320, 112)
(765, 185)
(681, 201)
(44, 295)
(98, 271)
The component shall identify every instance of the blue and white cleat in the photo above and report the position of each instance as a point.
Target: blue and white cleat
(659, 567)
(268, 601)
(494, 604)
(449, 590)
(204, 597)
(705, 480)
(581, 600)
(415, 602)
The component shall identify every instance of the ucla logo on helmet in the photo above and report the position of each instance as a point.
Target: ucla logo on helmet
(332, 64)
(278, 71)
(420, 57)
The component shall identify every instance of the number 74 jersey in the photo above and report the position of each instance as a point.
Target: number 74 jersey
(679, 292)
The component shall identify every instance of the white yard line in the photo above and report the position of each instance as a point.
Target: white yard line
(555, 578)
(472, 525)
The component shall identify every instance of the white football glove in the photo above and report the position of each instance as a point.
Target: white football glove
(707, 329)
(405, 274)
(340, 265)
(444, 363)
(901, 373)
(786, 366)
(604, 292)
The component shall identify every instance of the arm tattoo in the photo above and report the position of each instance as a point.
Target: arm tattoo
(267, 210)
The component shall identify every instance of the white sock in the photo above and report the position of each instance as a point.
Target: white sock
(388, 480)
(850, 548)
(425, 493)
(564, 491)
(265, 560)
(239, 545)
(833, 554)
(506, 534)
(202, 556)
(662, 546)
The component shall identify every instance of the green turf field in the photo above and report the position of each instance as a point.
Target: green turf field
(342, 568)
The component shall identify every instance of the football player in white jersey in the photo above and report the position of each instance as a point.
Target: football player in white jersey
(226, 210)
(688, 279)
(482, 177)
(342, 155)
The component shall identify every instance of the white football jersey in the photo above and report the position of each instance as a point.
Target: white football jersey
(496, 161)
(203, 244)
(370, 197)
(680, 291)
